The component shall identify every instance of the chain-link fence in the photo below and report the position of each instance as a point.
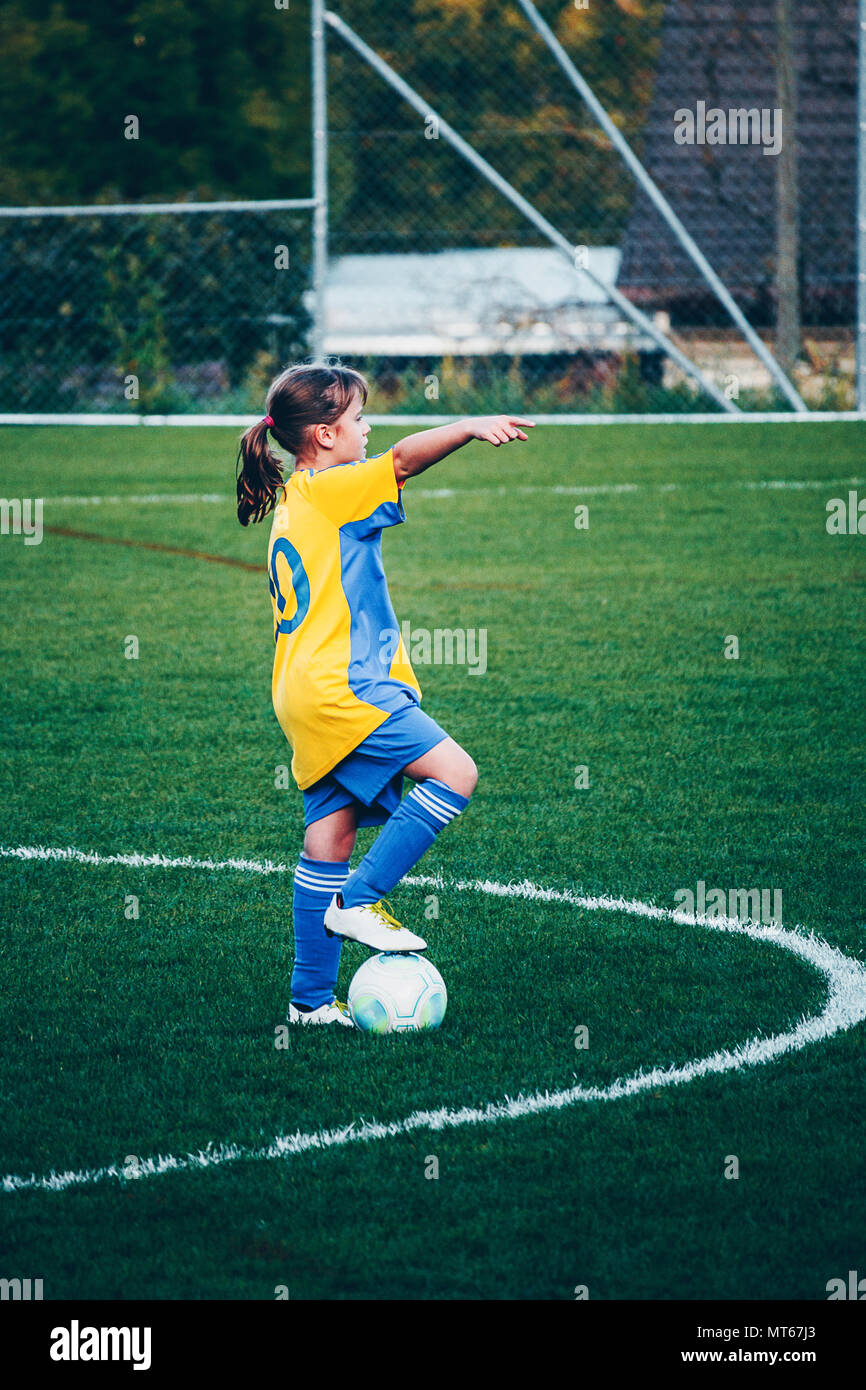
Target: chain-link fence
(159, 313)
(762, 175)
(438, 286)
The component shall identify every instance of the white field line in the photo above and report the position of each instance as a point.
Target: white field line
(192, 498)
(845, 1007)
(138, 499)
(138, 861)
(754, 417)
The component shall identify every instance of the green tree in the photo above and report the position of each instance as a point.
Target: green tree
(220, 89)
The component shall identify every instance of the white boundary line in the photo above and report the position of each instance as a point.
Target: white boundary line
(137, 499)
(589, 489)
(845, 1007)
(757, 417)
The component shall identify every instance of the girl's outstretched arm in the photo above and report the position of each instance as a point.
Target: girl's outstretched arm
(418, 451)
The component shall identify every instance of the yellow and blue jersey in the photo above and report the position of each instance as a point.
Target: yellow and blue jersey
(340, 667)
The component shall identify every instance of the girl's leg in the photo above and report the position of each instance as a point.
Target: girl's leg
(332, 837)
(322, 871)
(445, 778)
(448, 763)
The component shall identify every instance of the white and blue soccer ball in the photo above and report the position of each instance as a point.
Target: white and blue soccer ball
(394, 992)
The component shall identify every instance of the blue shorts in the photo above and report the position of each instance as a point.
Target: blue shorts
(371, 776)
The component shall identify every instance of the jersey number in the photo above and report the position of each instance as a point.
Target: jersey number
(300, 584)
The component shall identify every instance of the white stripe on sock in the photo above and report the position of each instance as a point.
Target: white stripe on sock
(429, 806)
(440, 800)
(434, 803)
(319, 885)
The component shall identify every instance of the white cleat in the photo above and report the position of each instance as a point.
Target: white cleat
(325, 1013)
(373, 926)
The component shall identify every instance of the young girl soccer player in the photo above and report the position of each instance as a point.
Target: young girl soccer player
(343, 689)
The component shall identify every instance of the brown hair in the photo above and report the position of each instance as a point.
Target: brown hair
(300, 398)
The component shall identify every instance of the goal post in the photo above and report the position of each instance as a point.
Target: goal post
(182, 312)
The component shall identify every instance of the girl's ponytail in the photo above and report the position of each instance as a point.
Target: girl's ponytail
(299, 399)
(259, 475)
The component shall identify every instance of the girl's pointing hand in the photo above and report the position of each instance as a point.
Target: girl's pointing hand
(498, 429)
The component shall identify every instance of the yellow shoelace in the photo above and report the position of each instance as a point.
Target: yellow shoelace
(390, 922)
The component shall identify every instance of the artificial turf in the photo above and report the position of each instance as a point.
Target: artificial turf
(153, 1034)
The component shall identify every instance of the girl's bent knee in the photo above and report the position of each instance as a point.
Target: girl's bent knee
(465, 779)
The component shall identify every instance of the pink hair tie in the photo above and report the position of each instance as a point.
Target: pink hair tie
(268, 421)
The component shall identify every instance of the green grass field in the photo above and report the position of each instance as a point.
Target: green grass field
(126, 1038)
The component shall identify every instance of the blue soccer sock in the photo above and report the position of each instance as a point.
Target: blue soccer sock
(405, 836)
(317, 956)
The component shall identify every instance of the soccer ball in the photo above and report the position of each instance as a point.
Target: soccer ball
(397, 991)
